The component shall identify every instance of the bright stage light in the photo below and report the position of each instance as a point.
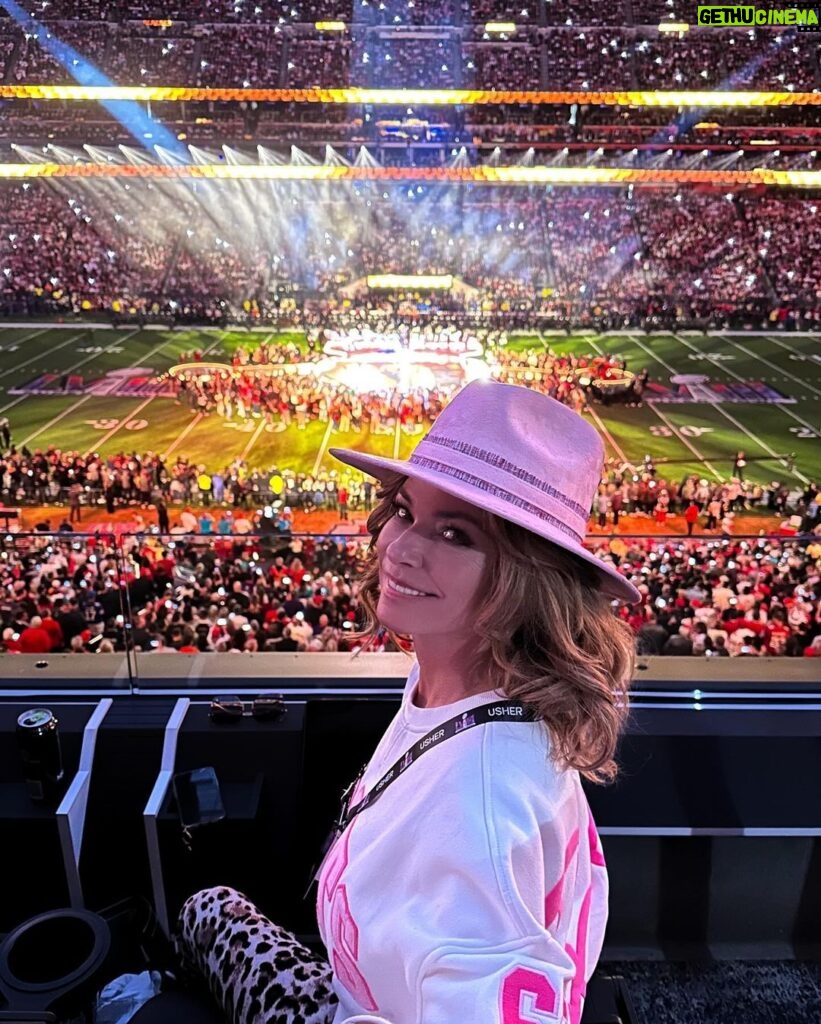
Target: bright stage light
(426, 282)
(412, 97)
(484, 175)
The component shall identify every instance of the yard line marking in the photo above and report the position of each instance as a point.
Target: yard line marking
(794, 415)
(111, 345)
(94, 355)
(782, 344)
(670, 369)
(671, 426)
(33, 334)
(252, 440)
(762, 444)
(56, 419)
(592, 341)
(26, 337)
(666, 421)
(214, 344)
(753, 437)
(719, 409)
(323, 447)
(16, 401)
(616, 446)
(199, 416)
(772, 366)
(87, 359)
(783, 408)
(41, 355)
(175, 444)
(85, 398)
(154, 351)
(101, 440)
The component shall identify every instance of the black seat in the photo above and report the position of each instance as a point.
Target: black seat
(608, 1001)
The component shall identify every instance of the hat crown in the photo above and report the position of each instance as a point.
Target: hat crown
(521, 446)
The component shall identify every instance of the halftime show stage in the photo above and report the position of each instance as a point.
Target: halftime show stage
(366, 359)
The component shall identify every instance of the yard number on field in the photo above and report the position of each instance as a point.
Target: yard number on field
(112, 424)
(657, 430)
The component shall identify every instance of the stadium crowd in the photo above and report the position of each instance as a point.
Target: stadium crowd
(74, 481)
(590, 48)
(575, 258)
(283, 593)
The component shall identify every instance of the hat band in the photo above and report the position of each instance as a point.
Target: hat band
(497, 492)
(506, 466)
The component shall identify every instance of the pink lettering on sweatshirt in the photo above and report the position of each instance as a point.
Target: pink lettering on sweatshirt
(344, 932)
(555, 898)
(530, 993)
(578, 951)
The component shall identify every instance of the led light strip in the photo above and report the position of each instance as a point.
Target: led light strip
(419, 97)
(472, 175)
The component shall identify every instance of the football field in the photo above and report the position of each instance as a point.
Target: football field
(100, 390)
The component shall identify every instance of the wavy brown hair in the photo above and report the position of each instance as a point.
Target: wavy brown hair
(546, 630)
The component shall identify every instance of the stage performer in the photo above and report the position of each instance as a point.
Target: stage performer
(465, 880)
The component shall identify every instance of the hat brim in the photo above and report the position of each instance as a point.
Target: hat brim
(613, 584)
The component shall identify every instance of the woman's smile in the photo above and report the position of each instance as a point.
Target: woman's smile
(400, 590)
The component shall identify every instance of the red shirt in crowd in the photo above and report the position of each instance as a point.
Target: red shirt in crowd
(35, 640)
(52, 627)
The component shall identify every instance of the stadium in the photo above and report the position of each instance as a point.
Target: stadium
(236, 234)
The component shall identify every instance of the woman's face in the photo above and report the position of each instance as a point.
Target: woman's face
(434, 544)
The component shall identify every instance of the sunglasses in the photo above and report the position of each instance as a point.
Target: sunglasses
(267, 707)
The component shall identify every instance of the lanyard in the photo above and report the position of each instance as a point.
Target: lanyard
(499, 711)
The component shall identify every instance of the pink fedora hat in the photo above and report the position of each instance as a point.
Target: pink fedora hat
(518, 454)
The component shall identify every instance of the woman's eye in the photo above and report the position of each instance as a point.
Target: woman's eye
(452, 534)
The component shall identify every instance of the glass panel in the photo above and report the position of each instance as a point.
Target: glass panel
(64, 594)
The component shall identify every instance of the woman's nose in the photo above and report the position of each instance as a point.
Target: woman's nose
(407, 549)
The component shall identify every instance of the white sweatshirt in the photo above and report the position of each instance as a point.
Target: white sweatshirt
(473, 889)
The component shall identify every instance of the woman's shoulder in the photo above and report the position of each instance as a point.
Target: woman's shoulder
(509, 768)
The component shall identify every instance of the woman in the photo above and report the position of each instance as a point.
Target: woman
(466, 880)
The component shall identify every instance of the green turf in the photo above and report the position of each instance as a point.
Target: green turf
(165, 421)
(524, 342)
(693, 437)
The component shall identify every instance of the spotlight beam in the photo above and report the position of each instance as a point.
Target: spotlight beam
(124, 109)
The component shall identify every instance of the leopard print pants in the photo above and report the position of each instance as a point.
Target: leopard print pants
(258, 972)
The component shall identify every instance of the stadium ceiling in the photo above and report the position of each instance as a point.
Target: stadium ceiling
(487, 175)
(420, 97)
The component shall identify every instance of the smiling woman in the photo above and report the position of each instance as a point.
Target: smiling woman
(518, 687)
(431, 574)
